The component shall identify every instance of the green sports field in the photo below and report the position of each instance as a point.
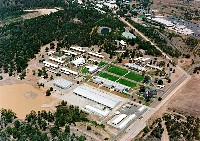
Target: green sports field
(108, 76)
(127, 83)
(134, 76)
(117, 70)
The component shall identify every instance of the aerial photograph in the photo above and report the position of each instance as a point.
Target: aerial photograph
(99, 70)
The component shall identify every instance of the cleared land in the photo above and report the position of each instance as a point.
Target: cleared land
(187, 99)
(127, 83)
(22, 99)
(108, 76)
(134, 76)
(117, 70)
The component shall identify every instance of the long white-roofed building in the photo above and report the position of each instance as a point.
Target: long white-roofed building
(68, 71)
(119, 119)
(96, 111)
(79, 49)
(97, 96)
(58, 60)
(96, 54)
(49, 64)
(110, 84)
(62, 83)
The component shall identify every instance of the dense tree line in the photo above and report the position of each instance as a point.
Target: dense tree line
(19, 42)
(42, 126)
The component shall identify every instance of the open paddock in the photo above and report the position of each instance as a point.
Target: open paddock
(22, 99)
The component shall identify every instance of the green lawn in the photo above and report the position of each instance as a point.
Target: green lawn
(108, 76)
(135, 76)
(84, 70)
(127, 83)
(102, 64)
(117, 70)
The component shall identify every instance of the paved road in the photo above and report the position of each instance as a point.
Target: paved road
(137, 126)
(144, 37)
(134, 127)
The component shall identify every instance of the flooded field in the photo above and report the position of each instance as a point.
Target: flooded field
(22, 99)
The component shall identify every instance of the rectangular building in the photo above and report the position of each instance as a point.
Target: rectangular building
(62, 83)
(97, 96)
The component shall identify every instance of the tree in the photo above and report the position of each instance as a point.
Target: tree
(159, 99)
(54, 131)
(160, 82)
(89, 128)
(67, 129)
(63, 103)
(46, 49)
(142, 89)
(146, 79)
(51, 89)
(82, 138)
(119, 59)
(48, 93)
(52, 46)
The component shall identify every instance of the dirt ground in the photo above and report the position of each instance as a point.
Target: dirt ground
(22, 99)
(187, 99)
(38, 12)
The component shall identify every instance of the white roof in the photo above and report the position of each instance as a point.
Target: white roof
(78, 62)
(110, 5)
(141, 108)
(92, 68)
(69, 52)
(154, 67)
(134, 66)
(94, 110)
(127, 120)
(49, 64)
(128, 35)
(163, 21)
(99, 5)
(110, 83)
(69, 71)
(142, 59)
(63, 83)
(56, 60)
(122, 43)
(97, 96)
(119, 119)
(78, 49)
(96, 54)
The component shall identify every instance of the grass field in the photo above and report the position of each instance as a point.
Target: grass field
(102, 64)
(108, 76)
(84, 70)
(117, 70)
(134, 76)
(127, 83)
